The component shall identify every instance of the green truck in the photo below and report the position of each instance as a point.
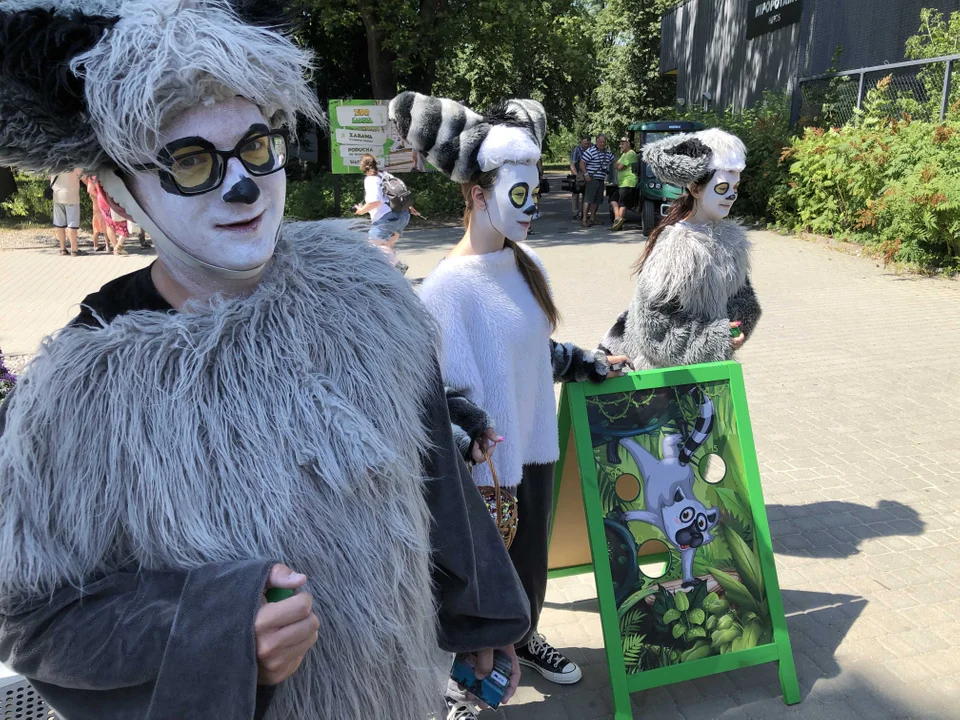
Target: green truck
(655, 197)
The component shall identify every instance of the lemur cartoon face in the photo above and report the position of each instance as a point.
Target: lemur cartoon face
(687, 522)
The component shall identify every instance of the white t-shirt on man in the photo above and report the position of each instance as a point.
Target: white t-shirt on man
(66, 188)
(373, 192)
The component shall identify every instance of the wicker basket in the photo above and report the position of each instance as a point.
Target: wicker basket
(502, 506)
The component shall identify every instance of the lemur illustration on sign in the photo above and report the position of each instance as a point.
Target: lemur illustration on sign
(671, 505)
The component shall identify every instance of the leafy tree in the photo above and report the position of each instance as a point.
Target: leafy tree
(629, 85)
(521, 48)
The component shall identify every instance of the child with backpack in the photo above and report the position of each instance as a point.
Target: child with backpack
(390, 205)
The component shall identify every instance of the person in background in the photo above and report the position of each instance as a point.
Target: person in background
(492, 302)
(114, 224)
(580, 184)
(386, 225)
(594, 164)
(66, 209)
(626, 196)
(99, 226)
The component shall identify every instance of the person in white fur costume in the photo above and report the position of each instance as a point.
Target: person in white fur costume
(493, 303)
(694, 302)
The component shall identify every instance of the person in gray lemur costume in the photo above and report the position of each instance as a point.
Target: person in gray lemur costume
(277, 415)
(693, 286)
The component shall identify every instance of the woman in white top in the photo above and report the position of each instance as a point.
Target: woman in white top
(493, 304)
(386, 225)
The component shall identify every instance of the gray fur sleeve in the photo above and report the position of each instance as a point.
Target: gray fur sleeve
(468, 421)
(613, 342)
(144, 644)
(666, 337)
(745, 307)
(480, 602)
(573, 364)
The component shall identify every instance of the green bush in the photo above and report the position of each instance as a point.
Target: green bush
(885, 182)
(29, 204)
(433, 195)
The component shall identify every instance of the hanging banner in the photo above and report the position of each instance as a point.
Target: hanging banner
(676, 526)
(362, 126)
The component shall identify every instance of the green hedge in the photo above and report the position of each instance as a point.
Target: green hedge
(879, 181)
(29, 205)
(433, 195)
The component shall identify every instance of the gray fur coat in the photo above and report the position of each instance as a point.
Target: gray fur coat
(695, 282)
(305, 424)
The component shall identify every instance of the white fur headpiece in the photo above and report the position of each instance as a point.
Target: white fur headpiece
(462, 143)
(689, 157)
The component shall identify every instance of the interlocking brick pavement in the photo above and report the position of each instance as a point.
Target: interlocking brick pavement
(854, 393)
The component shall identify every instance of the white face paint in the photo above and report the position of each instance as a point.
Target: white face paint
(231, 235)
(513, 200)
(719, 194)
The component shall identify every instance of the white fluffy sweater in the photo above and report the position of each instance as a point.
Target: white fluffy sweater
(496, 350)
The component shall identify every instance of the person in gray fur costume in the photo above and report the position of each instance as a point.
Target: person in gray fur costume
(278, 420)
(693, 302)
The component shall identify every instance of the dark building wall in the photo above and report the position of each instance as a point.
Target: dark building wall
(705, 43)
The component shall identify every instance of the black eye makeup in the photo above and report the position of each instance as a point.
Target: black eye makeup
(721, 188)
(518, 194)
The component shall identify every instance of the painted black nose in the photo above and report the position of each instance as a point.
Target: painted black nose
(245, 191)
(690, 536)
(530, 210)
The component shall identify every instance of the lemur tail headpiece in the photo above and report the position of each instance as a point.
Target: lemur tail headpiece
(461, 143)
(690, 157)
(89, 83)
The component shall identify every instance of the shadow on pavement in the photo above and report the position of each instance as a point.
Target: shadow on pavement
(818, 623)
(836, 529)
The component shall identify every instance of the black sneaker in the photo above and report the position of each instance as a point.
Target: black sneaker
(548, 661)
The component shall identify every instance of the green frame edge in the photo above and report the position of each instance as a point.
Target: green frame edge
(573, 412)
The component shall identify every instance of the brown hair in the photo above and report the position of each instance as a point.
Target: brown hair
(367, 163)
(528, 268)
(679, 209)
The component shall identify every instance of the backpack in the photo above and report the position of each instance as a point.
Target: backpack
(395, 191)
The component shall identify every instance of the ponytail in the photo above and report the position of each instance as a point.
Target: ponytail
(530, 271)
(533, 276)
(681, 208)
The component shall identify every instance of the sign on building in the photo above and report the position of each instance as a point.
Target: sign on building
(358, 127)
(765, 16)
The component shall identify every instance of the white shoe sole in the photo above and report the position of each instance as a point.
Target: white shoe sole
(558, 678)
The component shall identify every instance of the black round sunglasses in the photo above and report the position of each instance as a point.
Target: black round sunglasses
(194, 166)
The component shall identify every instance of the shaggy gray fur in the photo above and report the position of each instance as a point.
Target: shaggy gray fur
(678, 159)
(573, 364)
(283, 425)
(161, 57)
(690, 157)
(693, 284)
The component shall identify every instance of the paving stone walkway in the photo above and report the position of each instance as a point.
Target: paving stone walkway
(854, 384)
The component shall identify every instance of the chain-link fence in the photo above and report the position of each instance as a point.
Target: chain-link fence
(921, 89)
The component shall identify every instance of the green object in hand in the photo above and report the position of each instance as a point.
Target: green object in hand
(278, 594)
(734, 332)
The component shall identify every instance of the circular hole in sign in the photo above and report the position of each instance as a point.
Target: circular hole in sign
(653, 558)
(628, 487)
(713, 468)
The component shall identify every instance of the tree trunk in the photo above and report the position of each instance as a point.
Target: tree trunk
(432, 40)
(382, 78)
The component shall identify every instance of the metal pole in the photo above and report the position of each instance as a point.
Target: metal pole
(946, 90)
(860, 94)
